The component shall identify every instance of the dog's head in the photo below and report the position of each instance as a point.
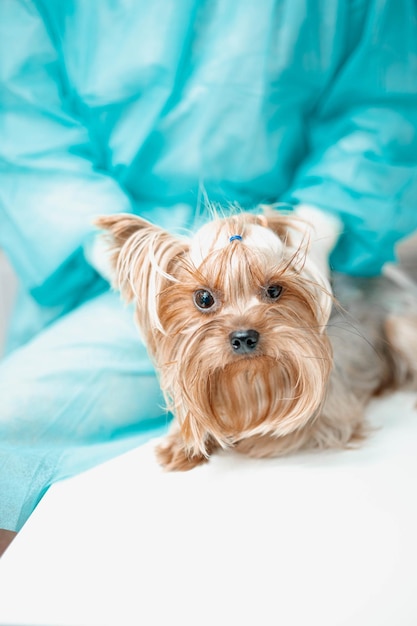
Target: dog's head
(234, 319)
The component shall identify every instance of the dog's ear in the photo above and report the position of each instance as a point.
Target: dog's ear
(118, 230)
(280, 223)
(120, 227)
(298, 235)
(142, 255)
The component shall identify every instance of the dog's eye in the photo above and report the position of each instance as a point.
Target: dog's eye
(273, 292)
(203, 299)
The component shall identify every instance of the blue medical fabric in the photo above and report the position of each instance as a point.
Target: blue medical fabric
(138, 105)
(150, 107)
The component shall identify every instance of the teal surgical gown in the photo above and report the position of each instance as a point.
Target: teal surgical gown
(148, 106)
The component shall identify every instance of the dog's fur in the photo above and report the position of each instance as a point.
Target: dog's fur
(315, 365)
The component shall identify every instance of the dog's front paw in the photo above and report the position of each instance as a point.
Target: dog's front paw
(173, 456)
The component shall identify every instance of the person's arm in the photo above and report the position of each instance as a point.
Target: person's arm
(362, 162)
(51, 185)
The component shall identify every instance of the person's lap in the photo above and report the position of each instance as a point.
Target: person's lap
(80, 392)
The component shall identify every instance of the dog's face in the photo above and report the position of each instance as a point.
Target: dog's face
(234, 319)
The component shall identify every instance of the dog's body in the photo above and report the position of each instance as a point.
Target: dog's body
(252, 350)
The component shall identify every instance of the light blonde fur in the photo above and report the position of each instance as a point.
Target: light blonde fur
(280, 396)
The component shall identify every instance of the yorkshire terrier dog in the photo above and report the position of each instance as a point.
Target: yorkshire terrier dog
(254, 349)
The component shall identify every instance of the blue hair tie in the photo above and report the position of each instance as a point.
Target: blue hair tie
(235, 238)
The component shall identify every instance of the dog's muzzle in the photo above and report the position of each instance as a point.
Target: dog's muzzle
(244, 341)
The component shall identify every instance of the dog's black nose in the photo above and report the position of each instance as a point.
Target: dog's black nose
(244, 341)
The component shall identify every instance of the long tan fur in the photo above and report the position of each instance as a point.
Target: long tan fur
(282, 396)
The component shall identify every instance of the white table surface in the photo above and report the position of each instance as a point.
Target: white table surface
(327, 539)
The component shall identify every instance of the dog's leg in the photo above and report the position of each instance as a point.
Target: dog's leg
(401, 332)
(263, 446)
(173, 455)
(333, 428)
(322, 433)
